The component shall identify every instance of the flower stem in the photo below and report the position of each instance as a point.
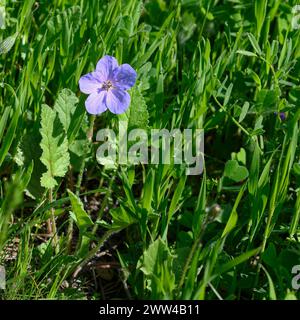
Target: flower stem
(79, 181)
(91, 253)
(197, 244)
(104, 203)
(52, 223)
(89, 137)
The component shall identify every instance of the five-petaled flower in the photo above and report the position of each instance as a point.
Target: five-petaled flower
(107, 86)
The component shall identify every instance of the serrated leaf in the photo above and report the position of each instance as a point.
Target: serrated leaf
(55, 155)
(31, 151)
(83, 220)
(138, 116)
(79, 125)
(47, 180)
(65, 106)
(79, 147)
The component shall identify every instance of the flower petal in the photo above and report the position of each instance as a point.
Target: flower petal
(106, 66)
(89, 83)
(95, 103)
(124, 76)
(117, 101)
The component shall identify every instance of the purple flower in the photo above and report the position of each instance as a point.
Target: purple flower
(107, 86)
(282, 115)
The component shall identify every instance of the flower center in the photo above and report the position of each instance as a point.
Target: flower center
(107, 85)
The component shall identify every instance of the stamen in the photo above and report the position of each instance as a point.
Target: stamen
(107, 85)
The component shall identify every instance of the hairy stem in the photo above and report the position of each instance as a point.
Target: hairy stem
(89, 137)
(103, 205)
(79, 181)
(52, 222)
(91, 254)
(196, 245)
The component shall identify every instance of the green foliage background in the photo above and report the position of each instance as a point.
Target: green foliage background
(228, 67)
